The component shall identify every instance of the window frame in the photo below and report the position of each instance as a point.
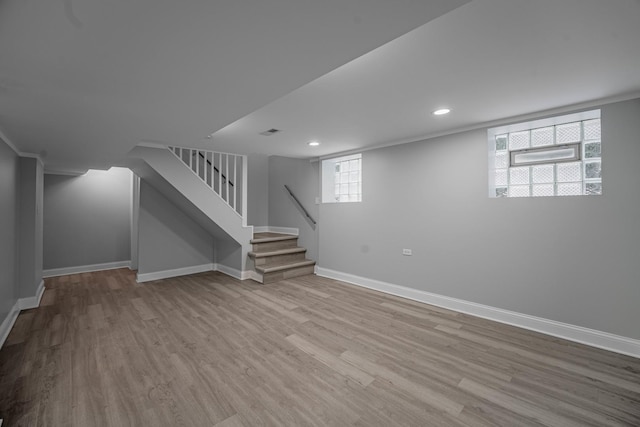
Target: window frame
(531, 126)
(328, 182)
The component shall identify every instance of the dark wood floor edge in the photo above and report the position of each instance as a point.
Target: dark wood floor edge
(578, 334)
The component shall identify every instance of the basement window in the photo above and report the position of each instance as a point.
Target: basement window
(559, 156)
(342, 179)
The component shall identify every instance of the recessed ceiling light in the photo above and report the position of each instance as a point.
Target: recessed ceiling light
(314, 143)
(441, 112)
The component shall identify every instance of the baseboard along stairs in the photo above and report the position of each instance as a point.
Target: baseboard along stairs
(278, 257)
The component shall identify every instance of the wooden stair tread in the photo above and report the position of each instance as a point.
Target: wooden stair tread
(274, 237)
(276, 252)
(285, 266)
(277, 256)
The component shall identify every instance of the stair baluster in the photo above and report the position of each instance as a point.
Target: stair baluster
(213, 167)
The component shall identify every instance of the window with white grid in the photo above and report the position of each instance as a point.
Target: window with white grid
(342, 179)
(560, 156)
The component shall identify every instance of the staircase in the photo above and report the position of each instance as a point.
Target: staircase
(278, 257)
(210, 187)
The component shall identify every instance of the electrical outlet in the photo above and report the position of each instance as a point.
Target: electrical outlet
(407, 252)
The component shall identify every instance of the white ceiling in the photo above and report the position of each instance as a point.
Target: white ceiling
(487, 60)
(81, 83)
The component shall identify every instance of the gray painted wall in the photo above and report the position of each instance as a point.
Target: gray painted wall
(167, 238)
(30, 226)
(9, 179)
(569, 259)
(302, 177)
(229, 253)
(258, 190)
(87, 219)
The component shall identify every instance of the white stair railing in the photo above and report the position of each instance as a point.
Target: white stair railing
(224, 173)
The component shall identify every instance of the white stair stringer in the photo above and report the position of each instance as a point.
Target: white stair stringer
(169, 175)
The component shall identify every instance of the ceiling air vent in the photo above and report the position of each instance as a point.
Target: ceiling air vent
(270, 132)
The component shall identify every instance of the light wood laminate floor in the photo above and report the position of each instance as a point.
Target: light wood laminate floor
(208, 350)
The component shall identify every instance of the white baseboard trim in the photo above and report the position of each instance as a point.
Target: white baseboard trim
(21, 304)
(53, 272)
(34, 301)
(165, 274)
(591, 337)
(237, 274)
(230, 271)
(281, 230)
(285, 230)
(8, 322)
